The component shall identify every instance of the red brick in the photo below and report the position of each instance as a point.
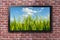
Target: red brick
(5, 35)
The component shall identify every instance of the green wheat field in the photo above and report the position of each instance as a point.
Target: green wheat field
(30, 24)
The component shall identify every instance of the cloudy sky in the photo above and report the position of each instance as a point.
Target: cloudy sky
(25, 11)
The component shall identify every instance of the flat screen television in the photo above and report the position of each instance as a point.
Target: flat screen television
(29, 19)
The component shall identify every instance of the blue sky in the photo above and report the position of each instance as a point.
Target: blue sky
(25, 11)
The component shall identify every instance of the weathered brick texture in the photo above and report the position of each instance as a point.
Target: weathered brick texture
(5, 35)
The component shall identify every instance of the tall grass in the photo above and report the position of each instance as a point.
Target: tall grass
(30, 23)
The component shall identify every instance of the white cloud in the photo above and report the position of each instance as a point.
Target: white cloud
(29, 11)
(12, 19)
(35, 11)
(41, 9)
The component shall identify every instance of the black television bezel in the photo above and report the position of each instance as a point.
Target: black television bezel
(31, 30)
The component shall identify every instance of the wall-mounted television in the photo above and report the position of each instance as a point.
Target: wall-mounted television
(29, 19)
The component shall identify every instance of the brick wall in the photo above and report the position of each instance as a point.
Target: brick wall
(5, 35)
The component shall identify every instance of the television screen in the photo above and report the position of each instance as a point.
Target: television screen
(29, 18)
